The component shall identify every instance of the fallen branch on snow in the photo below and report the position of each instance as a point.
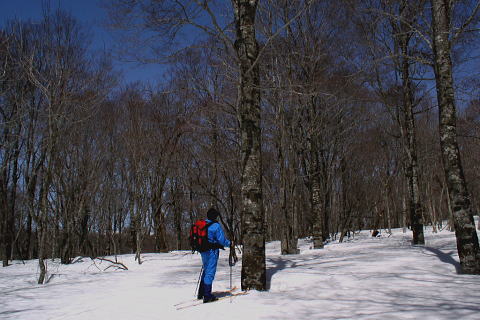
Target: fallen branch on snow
(114, 264)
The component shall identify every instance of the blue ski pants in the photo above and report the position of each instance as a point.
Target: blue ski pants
(209, 260)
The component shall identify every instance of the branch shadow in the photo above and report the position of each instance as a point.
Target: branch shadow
(14, 312)
(279, 264)
(446, 258)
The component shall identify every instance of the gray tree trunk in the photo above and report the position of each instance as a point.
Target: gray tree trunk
(158, 218)
(316, 197)
(253, 233)
(412, 169)
(289, 240)
(410, 135)
(41, 255)
(42, 231)
(160, 232)
(177, 216)
(467, 240)
(137, 233)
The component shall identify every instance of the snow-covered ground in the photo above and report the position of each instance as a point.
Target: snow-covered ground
(365, 278)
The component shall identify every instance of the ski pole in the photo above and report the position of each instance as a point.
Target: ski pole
(231, 288)
(232, 260)
(198, 281)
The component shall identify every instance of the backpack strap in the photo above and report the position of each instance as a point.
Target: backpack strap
(213, 245)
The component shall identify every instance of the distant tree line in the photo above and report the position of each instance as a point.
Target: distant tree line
(320, 121)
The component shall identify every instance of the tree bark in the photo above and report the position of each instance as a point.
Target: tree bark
(42, 230)
(253, 233)
(317, 210)
(410, 134)
(160, 232)
(3, 227)
(289, 240)
(327, 207)
(41, 255)
(467, 240)
(158, 217)
(177, 215)
(316, 195)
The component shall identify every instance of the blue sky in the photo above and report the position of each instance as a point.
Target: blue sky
(92, 16)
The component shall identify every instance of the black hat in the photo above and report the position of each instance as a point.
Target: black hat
(212, 214)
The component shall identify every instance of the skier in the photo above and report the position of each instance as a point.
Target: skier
(217, 240)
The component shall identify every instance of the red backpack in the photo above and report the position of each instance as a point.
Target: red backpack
(199, 236)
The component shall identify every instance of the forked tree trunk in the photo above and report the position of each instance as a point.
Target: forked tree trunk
(253, 229)
(467, 240)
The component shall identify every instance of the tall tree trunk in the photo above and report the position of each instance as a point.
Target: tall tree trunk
(411, 142)
(5, 212)
(327, 208)
(138, 237)
(246, 47)
(10, 221)
(316, 196)
(3, 226)
(84, 223)
(404, 215)
(177, 217)
(42, 232)
(158, 218)
(387, 211)
(289, 240)
(467, 240)
(28, 244)
(317, 212)
(160, 232)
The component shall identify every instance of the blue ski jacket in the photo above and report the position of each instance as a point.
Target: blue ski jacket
(216, 235)
(210, 257)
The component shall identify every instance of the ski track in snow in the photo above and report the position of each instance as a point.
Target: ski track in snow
(363, 278)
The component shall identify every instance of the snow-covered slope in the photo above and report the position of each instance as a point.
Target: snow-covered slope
(366, 278)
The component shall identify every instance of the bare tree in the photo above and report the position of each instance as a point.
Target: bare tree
(253, 230)
(467, 239)
(13, 100)
(404, 33)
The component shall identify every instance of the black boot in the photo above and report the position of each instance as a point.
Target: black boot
(201, 289)
(207, 294)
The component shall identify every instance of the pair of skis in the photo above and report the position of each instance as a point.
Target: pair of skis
(222, 296)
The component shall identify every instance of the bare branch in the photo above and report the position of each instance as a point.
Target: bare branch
(466, 23)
